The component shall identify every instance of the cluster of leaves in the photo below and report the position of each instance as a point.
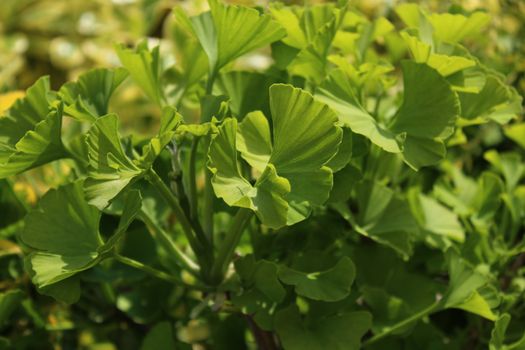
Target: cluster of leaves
(351, 194)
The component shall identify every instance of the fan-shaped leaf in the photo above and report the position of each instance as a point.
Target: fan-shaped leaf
(88, 97)
(65, 236)
(228, 32)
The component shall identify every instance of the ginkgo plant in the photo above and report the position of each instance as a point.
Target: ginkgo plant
(320, 202)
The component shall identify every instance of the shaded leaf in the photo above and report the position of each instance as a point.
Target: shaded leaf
(329, 285)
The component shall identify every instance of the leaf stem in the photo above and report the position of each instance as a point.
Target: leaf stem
(156, 273)
(230, 242)
(423, 313)
(209, 196)
(169, 245)
(168, 195)
(192, 179)
(210, 81)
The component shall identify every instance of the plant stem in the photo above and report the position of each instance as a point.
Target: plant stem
(425, 312)
(264, 339)
(164, 190)
(210, 81)
(154, 272)
(207, 224)
(169, 245)
(209, 196)
(192, 177)
(232, 239)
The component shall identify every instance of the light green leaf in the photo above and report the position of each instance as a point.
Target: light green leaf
(305, 138)
(409, 13)
(254, 140)
(427, 115)
(88, 97)
(455, 27)
(338, 332)
(478, 305)
(425, 118)
(24, 114)
(192, 62)
(170, 121)
(30, 131)
(329, 285)
(496, 101)
(508, 164)
(437, 222)
(465, 280)
(144, 67)
(516, 133)
(110, 169)
(266, 197)
(445, 64)
(227, 32)
(39, 146)
(339, 94)
(311, 32)
(291, 20)
(311, 61)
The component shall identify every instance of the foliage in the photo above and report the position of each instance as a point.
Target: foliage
(363, 189)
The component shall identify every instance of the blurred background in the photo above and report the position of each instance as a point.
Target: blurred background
(64, 38)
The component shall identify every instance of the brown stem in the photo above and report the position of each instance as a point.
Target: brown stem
(265, 340)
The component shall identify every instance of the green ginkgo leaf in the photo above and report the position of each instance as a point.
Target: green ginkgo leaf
(445, 64)
(262, 290)
(340, 95)
(496, 101)
(30, 132)
(88, 97)
(144, 67)
(305, 138)
(383, 216)
(342, 331)
(64, 234)
(425, 118)
(227, 32)
(508, 164)
(516, 133)
(111, 169)
(248, 91)
(266, 197)
(329, 285)
(440, 226)
(311, 32)
(453, 28)
(466, 285)
(192, 62)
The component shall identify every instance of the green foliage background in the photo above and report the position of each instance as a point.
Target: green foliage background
(477, 189)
